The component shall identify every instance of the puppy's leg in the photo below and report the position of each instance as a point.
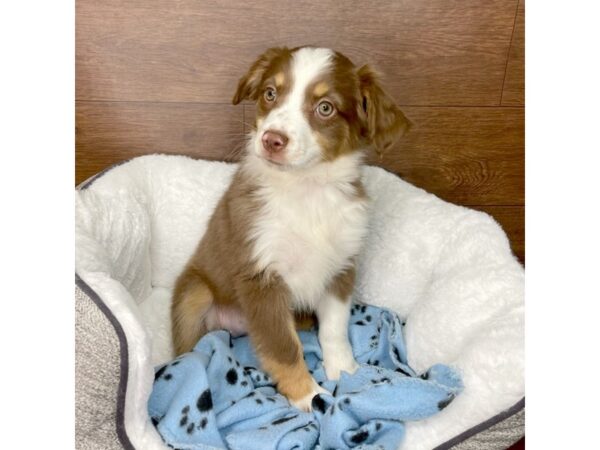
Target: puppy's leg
(271, 329)
(333, 313)
(304, 321)
(192, 299)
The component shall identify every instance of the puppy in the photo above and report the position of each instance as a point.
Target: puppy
(284, 238)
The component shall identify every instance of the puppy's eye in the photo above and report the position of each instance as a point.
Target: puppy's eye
(270, 94)
(325, 109)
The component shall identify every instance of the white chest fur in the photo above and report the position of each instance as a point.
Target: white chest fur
(309, 228)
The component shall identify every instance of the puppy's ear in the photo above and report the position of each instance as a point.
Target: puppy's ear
(384, 121)
(250, 83)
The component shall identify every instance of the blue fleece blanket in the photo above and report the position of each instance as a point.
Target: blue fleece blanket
(217, 397)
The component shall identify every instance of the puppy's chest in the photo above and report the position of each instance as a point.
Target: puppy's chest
(308, 235)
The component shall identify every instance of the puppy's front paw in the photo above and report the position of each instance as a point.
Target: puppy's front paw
(336, 363)
(305, 403)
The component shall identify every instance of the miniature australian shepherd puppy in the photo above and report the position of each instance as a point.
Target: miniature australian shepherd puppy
(284, 238)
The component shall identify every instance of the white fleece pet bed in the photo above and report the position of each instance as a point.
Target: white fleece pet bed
(445, 268)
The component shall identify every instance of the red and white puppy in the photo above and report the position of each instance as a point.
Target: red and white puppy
(284, 238)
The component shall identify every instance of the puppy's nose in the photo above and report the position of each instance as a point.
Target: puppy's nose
(274, 141)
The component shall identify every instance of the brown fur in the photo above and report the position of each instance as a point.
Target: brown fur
(304, 321)
(265, 72)
(343, 284)
(385, 122)
(342, 132)
(221, 272)
(192, 300)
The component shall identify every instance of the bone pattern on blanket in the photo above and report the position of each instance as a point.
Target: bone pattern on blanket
(447, 269)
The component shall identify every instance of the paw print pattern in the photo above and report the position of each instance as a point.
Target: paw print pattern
(161, 373)
(380, 380)
(360, 437)
(258, 399)
(442, 404)
(402, 371)
(204, 405)
(204, 402)
(231, 376)
(237, 377)
(360, 310)
(318, 404)
(367, 432)
(283, 420)
(259, 378)
(203, 422)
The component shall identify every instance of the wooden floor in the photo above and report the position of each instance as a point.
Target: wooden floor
(158, 76)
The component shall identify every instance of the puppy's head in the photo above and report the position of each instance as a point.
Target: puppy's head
(313, 105)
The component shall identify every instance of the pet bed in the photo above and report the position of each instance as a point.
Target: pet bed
(446, 269)
(217, 396)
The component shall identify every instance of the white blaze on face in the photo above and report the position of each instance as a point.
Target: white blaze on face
(288, 118)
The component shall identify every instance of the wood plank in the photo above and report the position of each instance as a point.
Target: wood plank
(110, 132)
(437, 52)
(513, 92)
(479, 146)
(512, 220)
(469, 156)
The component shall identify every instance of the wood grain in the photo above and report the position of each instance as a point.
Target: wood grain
(512, 220)
(469, 156)
(513, 93)
(435, 52)
(158, 76)
(110, 132)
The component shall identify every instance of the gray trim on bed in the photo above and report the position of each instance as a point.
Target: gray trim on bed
(124, 361)
(513, 416)
(498, 437)
(88, 182)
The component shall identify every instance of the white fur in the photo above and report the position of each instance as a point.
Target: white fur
(333, 314)
(310, 224)
(302, 149)
(446, 269)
